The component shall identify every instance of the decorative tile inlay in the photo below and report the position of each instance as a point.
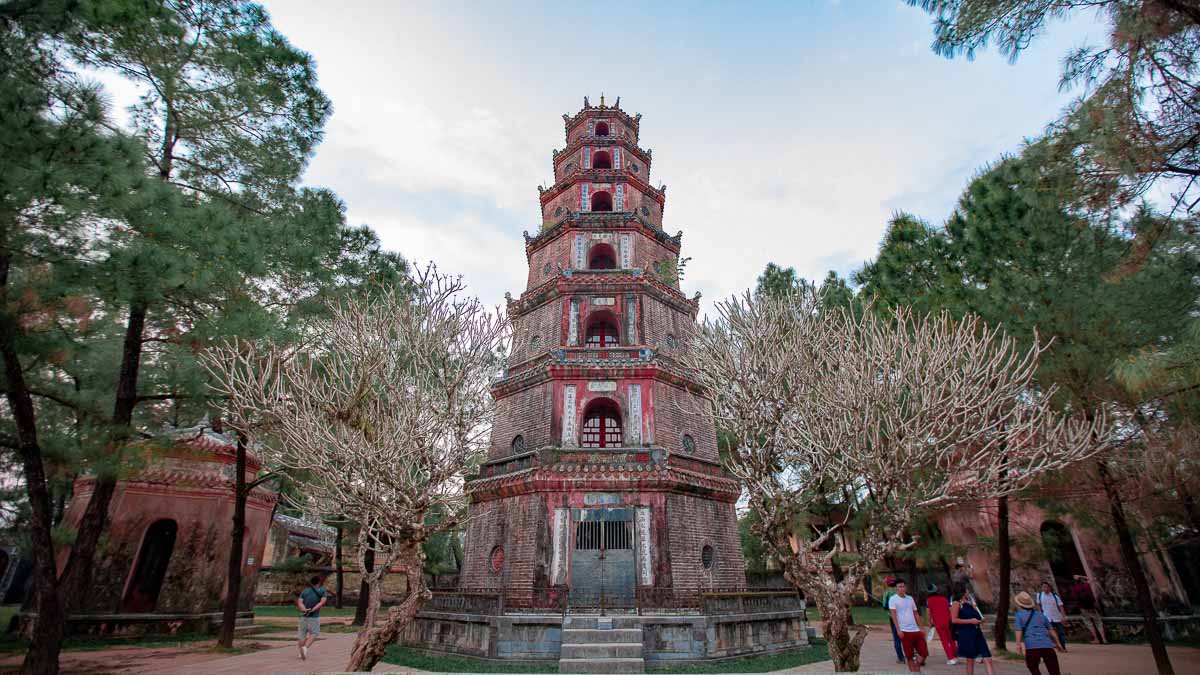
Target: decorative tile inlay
(577, 251)
(606, 302)
(620, 205)
(626, 251)
(635, 414)
(568, 421)
(603, 386)
(631, 319)
(573, 324)
(644, 544)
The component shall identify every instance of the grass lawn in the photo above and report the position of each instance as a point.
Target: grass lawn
(449, 663)
(864, 616)
(814, 653)
(290, 611)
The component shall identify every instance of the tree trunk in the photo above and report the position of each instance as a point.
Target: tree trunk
(337, 561)
(373, 640)
(844, 648)
(77, 575)
(366, 566)
(1004, 546)
(42, 656)
(1129, 555)
(233, 584)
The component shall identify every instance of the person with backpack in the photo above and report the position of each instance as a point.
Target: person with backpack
(1052, 606)
(309, 602)
(1036, 638)
(967, 621)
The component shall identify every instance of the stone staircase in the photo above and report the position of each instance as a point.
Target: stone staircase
(601, 645)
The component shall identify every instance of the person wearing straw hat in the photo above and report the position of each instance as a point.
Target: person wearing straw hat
(1036, 638)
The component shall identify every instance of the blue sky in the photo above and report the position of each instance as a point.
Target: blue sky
(785, 132)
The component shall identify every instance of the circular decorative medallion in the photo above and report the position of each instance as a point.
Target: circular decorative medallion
(546, 270)
(689, 444)
(645, 211)
(557, 212)
(633, 167)
(707, 557)
(670, 341)
(497, 559)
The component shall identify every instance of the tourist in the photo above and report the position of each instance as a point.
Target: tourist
(1089, 609)
(939, 617)
(309, 602)
(908, 622)
(1035, 636)
(1052, 606)
(887, 595)
(968, 632)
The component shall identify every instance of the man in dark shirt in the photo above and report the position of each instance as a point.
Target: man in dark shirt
(309, 602)
(1081, 593)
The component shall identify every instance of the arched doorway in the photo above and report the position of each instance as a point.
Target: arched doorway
(602, 257)
(601, 425)
(602, 201)
(602, 128)
(601, 160)
(602, 331)
(1059, 546)
(150, 569)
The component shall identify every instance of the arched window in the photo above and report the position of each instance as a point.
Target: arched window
(602, 332)
(602, 257)
(602, 128)
(518, 443)
(601, 160)
(151, 567)
(1059, 545)
(601, 425)
(602, 201)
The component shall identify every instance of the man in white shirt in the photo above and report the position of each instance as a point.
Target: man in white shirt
(904, 614)
(1052, 607)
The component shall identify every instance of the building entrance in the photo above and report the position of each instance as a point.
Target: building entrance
(602, 558)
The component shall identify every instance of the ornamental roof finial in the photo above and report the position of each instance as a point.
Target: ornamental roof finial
(601, 99)
(618, 103)
(585, 103)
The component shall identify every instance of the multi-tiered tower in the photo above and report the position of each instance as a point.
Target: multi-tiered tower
(603, 476)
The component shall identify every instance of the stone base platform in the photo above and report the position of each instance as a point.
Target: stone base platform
(673, 638)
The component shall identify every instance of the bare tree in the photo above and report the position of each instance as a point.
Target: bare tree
(883, 417)
(379, 422)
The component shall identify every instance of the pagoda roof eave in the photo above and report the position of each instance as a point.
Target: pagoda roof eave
(587, 220)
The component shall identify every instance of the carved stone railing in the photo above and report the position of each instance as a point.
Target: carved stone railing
(466, 601)
(751, 602)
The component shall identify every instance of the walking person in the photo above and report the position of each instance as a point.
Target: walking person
(939, 616)
(1089, 609)
(1035, 636)
(903, 609)
(887, 595)
(1052, 606)
(309, 602)
(970, 641)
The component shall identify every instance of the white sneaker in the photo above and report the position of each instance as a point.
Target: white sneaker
(978, 659)
(304, 652)
(952, 662)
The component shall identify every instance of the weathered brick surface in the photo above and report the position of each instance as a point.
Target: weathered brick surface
(678, 412)
(518, 525)
(544, 323)
(527, 412)
(695, 522)
(660, 320)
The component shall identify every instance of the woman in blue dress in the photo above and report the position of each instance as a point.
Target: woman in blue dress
(965, 620)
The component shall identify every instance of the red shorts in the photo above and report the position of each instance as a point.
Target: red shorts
(914, 642)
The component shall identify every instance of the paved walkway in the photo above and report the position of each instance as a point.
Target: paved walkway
(1082, 659)
(332, 650)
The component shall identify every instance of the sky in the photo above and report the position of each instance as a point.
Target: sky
(786, 133)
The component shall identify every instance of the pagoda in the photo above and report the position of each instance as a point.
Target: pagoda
(602, 486)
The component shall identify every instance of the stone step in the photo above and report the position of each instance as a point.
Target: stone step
(604, 650)
(602, 622)
(601, 665)
(591, 636)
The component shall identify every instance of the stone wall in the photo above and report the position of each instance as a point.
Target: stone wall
(672, 639)
(677, 412)
(280, 587)
(687, 541)
(527, 412)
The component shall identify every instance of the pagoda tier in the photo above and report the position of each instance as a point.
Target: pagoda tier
(603, 474)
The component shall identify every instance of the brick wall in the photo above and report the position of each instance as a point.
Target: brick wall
(527, 412)
(545, 322)
(695, 522)
(676, 412)
(660, 319)
(519, 525)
